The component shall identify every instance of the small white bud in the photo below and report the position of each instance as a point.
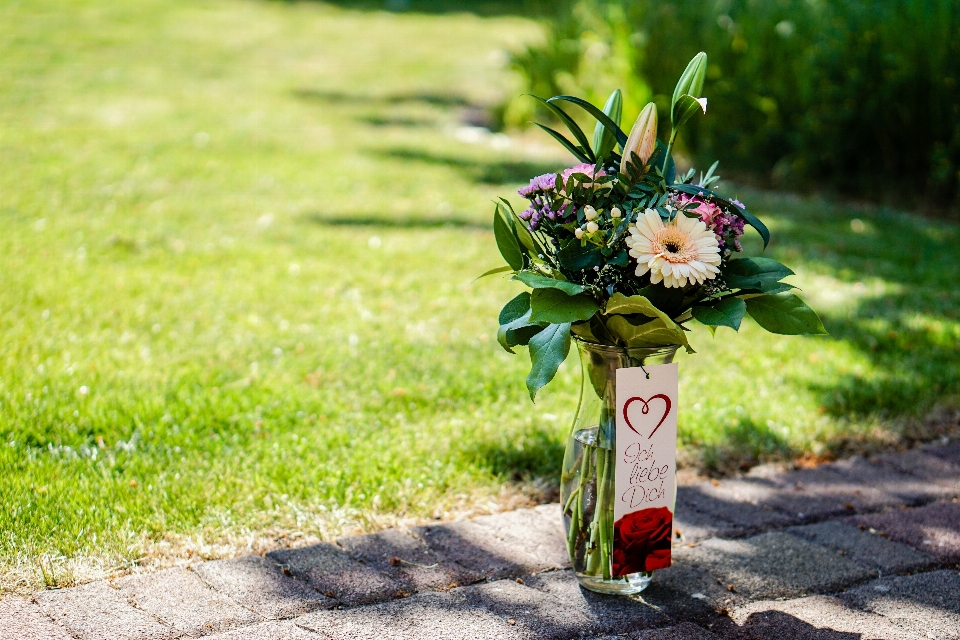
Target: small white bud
(578, 232)
(615, 213)
(592, 227)
(589, 213)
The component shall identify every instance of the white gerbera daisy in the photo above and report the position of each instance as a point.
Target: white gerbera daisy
(678, 253)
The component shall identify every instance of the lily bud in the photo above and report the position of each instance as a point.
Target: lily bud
(615, 213)
(643, 137)
(592, 227)
(589, 213)
(691, 80)
(578, 232)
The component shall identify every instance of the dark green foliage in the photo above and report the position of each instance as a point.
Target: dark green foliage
(859, 96)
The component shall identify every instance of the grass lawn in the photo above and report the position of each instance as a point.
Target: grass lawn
(237, 248)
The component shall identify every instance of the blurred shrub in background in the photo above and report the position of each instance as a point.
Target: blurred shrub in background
(860, 96)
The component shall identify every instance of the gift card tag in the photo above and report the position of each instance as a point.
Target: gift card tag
(646, 474)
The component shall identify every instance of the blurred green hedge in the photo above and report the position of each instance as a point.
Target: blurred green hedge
(859, 96)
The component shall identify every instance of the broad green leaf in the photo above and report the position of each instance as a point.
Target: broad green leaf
(577, 152)
(723, 313)
(572, 126)
(785, 314)
(515, 309)
(619, 304)
(548, 350)
(761, 274)
(554, 306)
(650, 334)
(536, 281)
(687, 107)
(596, 113)
(507, 241)
(583, 331)
(775, 287)
(604, 139)
(580, 257)
(517, 333)
(515, 325)
(491, 272)
(766, 267)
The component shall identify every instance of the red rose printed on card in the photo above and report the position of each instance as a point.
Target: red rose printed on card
(641, 541)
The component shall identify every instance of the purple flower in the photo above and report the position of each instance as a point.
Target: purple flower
(540, 184)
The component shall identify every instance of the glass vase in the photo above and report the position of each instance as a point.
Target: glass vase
(587, 481)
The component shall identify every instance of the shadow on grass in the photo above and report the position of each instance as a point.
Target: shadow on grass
(340, 97)
(480, 171)
(910, 333)
(365, 220)
(485, 8)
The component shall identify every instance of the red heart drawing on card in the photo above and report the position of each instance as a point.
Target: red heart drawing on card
(645, 409)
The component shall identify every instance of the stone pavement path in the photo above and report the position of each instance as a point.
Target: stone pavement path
(855, 549)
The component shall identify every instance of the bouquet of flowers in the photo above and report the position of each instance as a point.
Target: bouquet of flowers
(621, 250)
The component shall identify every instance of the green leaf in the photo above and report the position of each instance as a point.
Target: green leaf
(548, 350)
(604, 139)
(515, 309)
(491, 272)
(686, 107)
(536, 281)
(785, 314)
(622, 305)
(515, 325)
(619, 305)
(723, 313)
(555, 306)
(596, 113)
(572, 126)
(507, 241)
(650, 334)
(520, 228)
(577, 152)
(580, 257)
(762, 274)
(767, 268)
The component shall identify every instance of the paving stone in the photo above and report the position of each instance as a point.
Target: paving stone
(688, 592)
(925, 603)
(258, 584)
(933, 529)
(682, 631)
(866, 548)
(848, 487)
(408, 561)
(925, 465)
(813, 618)
(575, 612)
(287, 630)
(949, 452)
(777, 565)
(740, 502)
(179, 598)
(473, 547)
(427, 616)
(332, 572)
(537, 537)
(691, 525)
(97, 611)
(21, 619)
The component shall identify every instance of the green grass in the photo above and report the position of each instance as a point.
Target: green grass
(237, 249)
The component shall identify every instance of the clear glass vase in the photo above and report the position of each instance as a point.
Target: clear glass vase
(587, 481)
